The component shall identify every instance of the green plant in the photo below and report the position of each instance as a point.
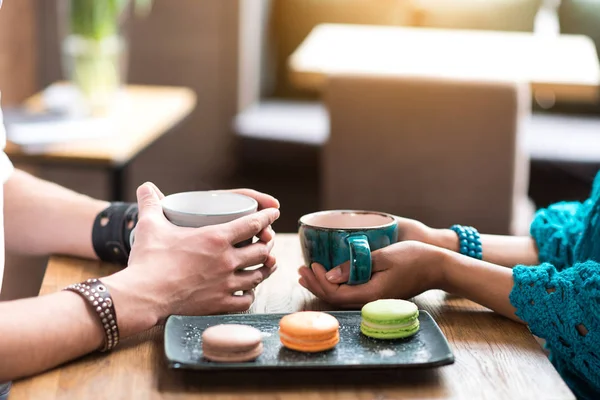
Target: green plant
(93, 52)
(98, 19)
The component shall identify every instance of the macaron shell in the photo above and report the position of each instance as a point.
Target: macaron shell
(228, 336)
(231, 343)
(389, 310)
(314, 347)
(311, 324)
(309, 331)
(389, 319)
(224, 356)
(397, 333)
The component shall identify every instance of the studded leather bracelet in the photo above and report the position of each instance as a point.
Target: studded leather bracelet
(96, 294)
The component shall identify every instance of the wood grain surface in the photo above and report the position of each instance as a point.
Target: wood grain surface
(495, 357)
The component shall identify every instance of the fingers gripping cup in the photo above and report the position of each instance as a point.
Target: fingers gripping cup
(331, 238)
(199, 209)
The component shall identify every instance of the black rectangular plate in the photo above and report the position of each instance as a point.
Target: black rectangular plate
(428, 348)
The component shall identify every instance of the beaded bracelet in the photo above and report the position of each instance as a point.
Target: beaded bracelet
(97, 296)
(469, 241)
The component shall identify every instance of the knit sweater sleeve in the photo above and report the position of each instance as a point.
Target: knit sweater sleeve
(568, 232)
(563, 307)
(556, 230)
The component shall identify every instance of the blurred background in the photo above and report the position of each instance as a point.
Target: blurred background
(450, 111)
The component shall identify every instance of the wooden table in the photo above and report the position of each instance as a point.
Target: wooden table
(495, 357)
(148, 113)
(563, 67)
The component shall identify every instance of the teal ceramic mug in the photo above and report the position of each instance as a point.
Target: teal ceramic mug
(331, 238)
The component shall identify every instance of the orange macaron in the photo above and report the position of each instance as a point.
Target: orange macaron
(309, 331)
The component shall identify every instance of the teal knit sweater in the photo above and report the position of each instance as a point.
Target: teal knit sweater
(560, 299)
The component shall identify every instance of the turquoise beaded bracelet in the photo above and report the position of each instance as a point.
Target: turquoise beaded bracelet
(469, 241)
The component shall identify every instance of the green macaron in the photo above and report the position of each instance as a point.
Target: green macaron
(389, 319)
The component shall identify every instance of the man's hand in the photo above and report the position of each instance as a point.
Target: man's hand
(172, 270)
(191, 271)
(264, 200)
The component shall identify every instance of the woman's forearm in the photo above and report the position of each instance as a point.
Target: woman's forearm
(482, 282)
(44, 218)
(506, 251)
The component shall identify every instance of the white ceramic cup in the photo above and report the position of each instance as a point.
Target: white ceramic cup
(199, 209)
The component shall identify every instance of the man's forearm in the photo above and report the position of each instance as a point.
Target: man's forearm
(44, 218)
(43, 332)
(40, 333)
(506, 251)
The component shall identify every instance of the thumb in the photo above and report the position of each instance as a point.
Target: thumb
(156, 190)
(148, 200)
(339, 274)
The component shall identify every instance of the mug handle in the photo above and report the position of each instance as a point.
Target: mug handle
(360, 259)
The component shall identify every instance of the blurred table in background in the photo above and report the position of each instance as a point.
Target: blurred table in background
(559, 68)
(146, 114)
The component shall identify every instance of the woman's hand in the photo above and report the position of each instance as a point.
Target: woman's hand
(410, 229)
(406, 269)
(191, 271)
(507, 251)
(402, 270)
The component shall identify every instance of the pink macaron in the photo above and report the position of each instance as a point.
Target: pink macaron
(231, 343)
